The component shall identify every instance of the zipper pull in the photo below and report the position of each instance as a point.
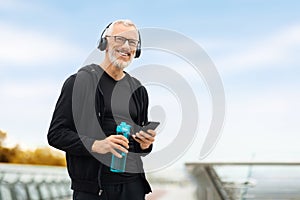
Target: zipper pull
(100, 192)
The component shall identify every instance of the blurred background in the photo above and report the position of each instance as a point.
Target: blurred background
(254, 45)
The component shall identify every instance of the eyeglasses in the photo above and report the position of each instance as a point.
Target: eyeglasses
(121, 40)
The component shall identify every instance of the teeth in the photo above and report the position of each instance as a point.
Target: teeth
(124, 53)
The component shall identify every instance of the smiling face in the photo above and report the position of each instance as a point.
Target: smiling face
(121, 45)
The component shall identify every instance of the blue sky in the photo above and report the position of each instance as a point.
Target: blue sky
(254, 44)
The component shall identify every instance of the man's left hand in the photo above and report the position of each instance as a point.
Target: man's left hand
(145, 138)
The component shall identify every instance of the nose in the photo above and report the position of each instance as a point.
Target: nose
(126, 43)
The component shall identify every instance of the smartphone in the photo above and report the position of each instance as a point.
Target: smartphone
(150, 125)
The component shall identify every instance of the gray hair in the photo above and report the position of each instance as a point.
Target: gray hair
(125, 22)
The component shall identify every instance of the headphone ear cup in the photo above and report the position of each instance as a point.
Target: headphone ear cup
(139, 47)
(102, 44)
(137, 52)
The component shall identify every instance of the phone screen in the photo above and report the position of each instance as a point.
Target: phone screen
(150, 125)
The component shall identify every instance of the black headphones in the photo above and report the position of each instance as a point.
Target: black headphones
(103, 43)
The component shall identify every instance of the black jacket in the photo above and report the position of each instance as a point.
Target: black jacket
(66, 135)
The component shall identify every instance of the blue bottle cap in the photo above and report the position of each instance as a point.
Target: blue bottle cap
(124, 128)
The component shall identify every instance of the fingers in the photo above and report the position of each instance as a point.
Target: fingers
(118, 143)
(119, 139)
(114, 144)
(151, 132)
(146, 137)
(114, 152)
(119, 147)
(136, 138)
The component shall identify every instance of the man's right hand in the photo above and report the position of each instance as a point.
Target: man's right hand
(110, 144)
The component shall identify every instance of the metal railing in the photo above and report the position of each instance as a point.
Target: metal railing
(23, 182)
(261, 180)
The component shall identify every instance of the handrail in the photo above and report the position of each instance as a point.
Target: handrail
(244, 163)
(231, 189)
(29, 182)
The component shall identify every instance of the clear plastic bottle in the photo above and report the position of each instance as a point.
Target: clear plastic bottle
(119, 164)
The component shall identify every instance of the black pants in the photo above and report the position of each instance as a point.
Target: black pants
(126, 191)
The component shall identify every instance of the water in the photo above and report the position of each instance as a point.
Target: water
(118, 164)
(261, 182)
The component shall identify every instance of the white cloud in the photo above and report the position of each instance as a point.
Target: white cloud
(23, 46)
(19, 6)
(8, 4)
(30, 89)
(26, 109)
(262, 121)
(267, 52)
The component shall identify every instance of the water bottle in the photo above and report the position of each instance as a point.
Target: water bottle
(119, 164)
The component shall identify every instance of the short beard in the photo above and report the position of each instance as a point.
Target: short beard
(116, 62)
